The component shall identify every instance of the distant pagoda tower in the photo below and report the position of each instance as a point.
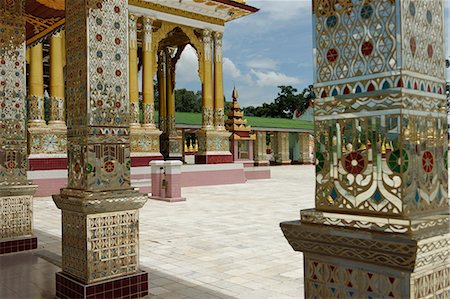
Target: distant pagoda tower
(241, 141)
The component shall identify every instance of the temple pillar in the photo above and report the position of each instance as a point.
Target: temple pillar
(162, 85)
(54, 141)
(280, 147)
(214, 144)
(219, 111)
(36, 87)
(260, 149)
(133, 75)
(145, 139)
(16, 193)
(175, 149)
(305, 150)
(147, 73)
(58, 113)
(380, 224)
(47, 142)
(100, 210)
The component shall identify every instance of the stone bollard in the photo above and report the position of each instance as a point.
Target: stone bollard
(166, 181)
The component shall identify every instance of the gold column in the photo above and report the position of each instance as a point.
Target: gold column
(144, 139)
(36, 87)
(133, 72)
(207, 90)
(57, 116)
(147, 74)
(174, 139)
(162, 90)
(219, 111)
(170, 90)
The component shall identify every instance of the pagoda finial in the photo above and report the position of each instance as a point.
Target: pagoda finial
(235, 95)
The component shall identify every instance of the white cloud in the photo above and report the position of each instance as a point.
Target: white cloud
(262, 63)
(271, 78)
(283, 10)
(187, 66)
(230, 69)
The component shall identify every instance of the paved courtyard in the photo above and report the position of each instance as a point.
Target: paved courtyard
(223, 242)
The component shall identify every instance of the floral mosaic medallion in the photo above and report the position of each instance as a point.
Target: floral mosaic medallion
(354, 163)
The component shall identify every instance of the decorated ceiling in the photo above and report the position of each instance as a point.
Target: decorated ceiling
(45, 16)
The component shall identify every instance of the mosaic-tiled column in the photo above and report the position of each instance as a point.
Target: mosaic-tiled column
(260, 152)
(16, 194)
(100, 211)
(214, 144)
(280, 148)
(380, 225)
(145, 140)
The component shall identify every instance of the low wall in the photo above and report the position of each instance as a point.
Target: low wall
(51, 181)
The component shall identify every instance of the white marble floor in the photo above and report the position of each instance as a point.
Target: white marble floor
(223, 242)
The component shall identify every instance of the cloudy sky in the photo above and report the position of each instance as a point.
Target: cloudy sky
(270, 48)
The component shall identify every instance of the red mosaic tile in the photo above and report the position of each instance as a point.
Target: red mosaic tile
(19, 245)
(47, 163)
(213, 159)
(132, 286)
(144, 161)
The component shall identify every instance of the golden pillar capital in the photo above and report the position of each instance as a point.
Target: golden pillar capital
(36, 87)
(133, 69)
(57, 116)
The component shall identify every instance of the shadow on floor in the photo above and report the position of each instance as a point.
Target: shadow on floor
(32, 275)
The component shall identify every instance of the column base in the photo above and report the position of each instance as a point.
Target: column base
(18, 244)
(168, 199)
(130, 286)
(16, 218)
(175, 148)
(214, 147)
(349, 263)
(144, 142)
(47, 140)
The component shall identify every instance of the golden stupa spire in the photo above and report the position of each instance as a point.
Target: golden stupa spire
(235, 94)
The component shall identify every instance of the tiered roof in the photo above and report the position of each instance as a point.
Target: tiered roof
(236, 123)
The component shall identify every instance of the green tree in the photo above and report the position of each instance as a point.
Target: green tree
(284, 105)
(187, 101)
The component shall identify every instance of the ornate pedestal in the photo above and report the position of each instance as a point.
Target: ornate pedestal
(344, 262)
(144, 144)
(16, 221)
(214, 147)
(100, 242)
(47, 146)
